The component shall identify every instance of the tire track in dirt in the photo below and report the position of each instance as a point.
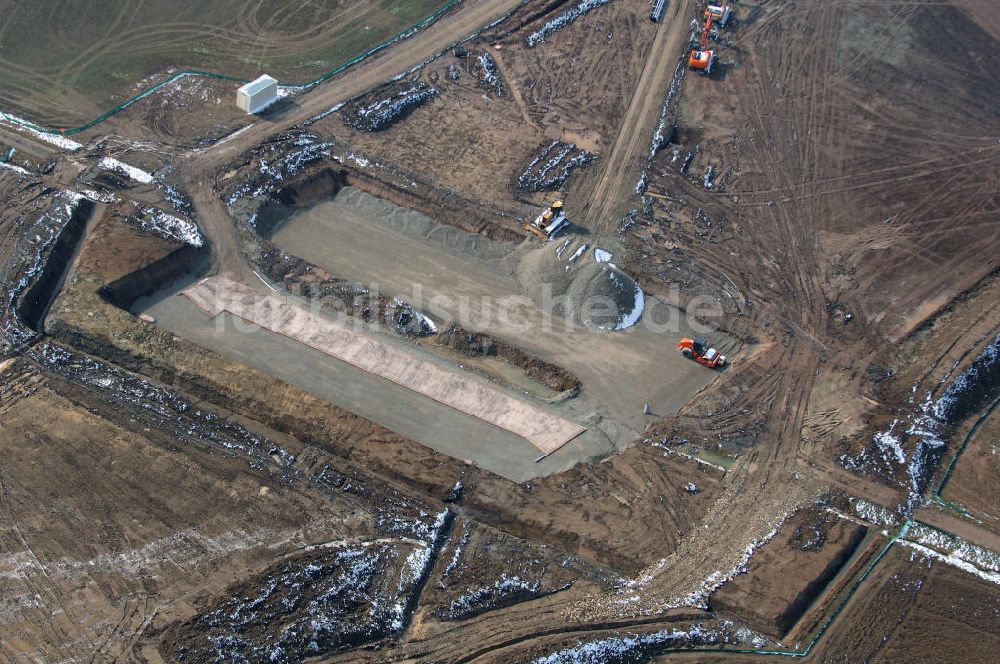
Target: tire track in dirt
(764, 485)
(620, 170)
(61, 620)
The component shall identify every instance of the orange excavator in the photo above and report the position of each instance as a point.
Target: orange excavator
(699, 351)
(702, 58)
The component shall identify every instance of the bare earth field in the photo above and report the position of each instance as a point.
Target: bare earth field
(302, 386)
(976, 471)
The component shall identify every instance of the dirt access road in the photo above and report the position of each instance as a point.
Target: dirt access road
(620, 170)
(467, 19)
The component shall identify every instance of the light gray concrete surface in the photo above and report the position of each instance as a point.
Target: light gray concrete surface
(450, 387)
(385, 403)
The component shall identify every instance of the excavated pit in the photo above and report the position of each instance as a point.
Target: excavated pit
(34, 303)
(179, 267)
(561, 303)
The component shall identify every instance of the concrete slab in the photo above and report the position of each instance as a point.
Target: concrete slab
(544, 430)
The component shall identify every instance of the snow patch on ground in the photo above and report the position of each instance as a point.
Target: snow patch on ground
(579, 252)
(131, 172)
(456, 556)
(171, 227)
(561, 248)
(24, 125)
(602, 255)
(630, 646)
(561, 21)
(953, 545)
(889, 443)
(715, 580)
(954, 560)
(425, 321)
(873, 513)
(475, 600)
(98, 196)
(632, 317)
(945, 408)
(12, 167)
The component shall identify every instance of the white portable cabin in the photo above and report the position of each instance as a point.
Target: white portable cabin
(258, 94)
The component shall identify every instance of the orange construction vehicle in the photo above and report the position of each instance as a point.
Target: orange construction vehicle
(702, 58)
(699, 351)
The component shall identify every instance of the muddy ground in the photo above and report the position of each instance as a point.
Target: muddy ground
(829, 189)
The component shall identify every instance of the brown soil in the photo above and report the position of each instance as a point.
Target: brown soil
(813, 545)
(139, 346)
(905, 607)
(976, 473)
(848, 237)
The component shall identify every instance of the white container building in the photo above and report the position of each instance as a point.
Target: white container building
(258, 94)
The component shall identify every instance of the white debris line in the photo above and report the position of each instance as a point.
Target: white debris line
(327, 112)
(561, 21)
(845, 517)
(701, 461)
(952, 544)
(235, 134)
(620, 646)
(579, 252)
(23, 125)
(561, 248)
(131, 172)
(699, 597)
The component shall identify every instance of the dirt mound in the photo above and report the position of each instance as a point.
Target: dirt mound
(550, 168)
(569, 282)
(386, 106)
(477, 343)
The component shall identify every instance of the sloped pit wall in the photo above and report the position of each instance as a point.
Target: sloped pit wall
(305, 191)
(973, 389)
(808, 595)
(188, 260)
(444, 207)
(34, 303)
(340, 294)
